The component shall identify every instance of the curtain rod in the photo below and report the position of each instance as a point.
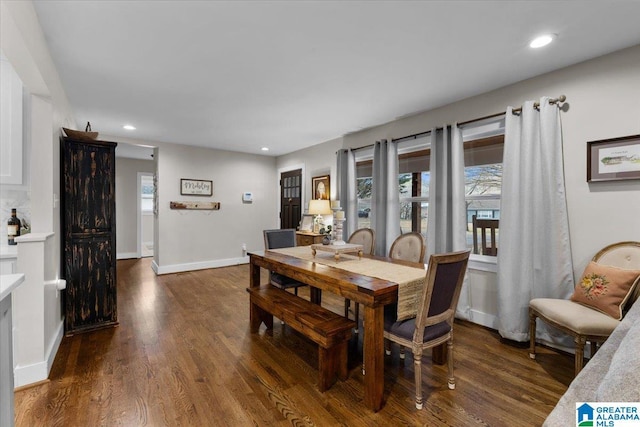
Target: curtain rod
(403, 138)
(536, 105)
(518, 110)
(414, 136)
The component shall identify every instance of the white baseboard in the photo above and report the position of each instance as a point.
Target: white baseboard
(127, 255)
(191, 266)
(55, 345)
(491, 321)
(484, 319)
(30, 374)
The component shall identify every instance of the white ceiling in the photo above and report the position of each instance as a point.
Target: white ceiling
(241, 75)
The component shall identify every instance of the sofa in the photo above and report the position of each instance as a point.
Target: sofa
(612, 375)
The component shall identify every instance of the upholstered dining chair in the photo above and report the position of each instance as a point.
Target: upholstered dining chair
(583, 320)
(367, 238)
(408, 247)
(433, 324)
(276, 239)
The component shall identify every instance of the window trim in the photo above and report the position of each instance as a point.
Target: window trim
(483, 263)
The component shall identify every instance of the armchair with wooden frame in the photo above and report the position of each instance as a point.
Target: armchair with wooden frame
(586, 324)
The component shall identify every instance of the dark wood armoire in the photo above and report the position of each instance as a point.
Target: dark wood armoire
(88, 224)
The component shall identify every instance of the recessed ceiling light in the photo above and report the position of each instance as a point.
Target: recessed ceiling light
(542, 40)
(265, 148)
(129, 127)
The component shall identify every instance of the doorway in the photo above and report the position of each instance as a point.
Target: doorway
(290, 198)
(145, 214)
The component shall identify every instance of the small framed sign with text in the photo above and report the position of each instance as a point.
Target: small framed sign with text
(196, 187)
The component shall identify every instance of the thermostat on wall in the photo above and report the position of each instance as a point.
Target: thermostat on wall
(247, 197)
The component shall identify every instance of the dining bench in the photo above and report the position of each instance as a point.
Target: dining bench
(329, 330)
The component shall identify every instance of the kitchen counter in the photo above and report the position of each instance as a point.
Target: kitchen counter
(8, 251)
(8, 282)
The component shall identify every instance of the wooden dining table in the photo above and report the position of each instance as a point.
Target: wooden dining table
(371, 292)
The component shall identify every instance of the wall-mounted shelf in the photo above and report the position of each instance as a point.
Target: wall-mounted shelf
(211, 206)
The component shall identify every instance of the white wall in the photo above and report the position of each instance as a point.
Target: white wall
(23, 43)
(317, 160)
(127, 204)
(192, 239)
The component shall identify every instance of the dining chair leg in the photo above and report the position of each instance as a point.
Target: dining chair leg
(357, 313)
(363, 356)
(532, 334)
(356, 310)
(593, 347)
(417, 368)
(580, 342)
(452, 380)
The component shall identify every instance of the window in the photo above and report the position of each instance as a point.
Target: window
(146, 193)
(364, 177)
(413, 184)
(483, 148)
(413, 180)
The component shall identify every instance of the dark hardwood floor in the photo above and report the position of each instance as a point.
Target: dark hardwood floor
(183, 356)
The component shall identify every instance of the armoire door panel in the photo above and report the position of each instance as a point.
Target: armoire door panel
(91, 286)
(89, 183)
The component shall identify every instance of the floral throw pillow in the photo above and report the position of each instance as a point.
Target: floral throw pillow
(605, 288)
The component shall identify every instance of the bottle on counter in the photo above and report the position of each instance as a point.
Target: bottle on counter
(13, 227)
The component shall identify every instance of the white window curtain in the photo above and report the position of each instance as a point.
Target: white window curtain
(534, 255)
(385, 200)
(447, 217)
(347, 185)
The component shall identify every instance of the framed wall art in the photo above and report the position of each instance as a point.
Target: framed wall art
(196, 187)
(306, 224)
(613, 159)
(320, 187)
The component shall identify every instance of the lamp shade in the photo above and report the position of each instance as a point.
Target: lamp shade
(319, 207)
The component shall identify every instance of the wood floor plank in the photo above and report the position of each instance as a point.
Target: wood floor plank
(183, 355)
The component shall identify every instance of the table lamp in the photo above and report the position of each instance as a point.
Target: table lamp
(319, 208)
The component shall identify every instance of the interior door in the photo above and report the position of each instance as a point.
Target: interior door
(290, 198)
